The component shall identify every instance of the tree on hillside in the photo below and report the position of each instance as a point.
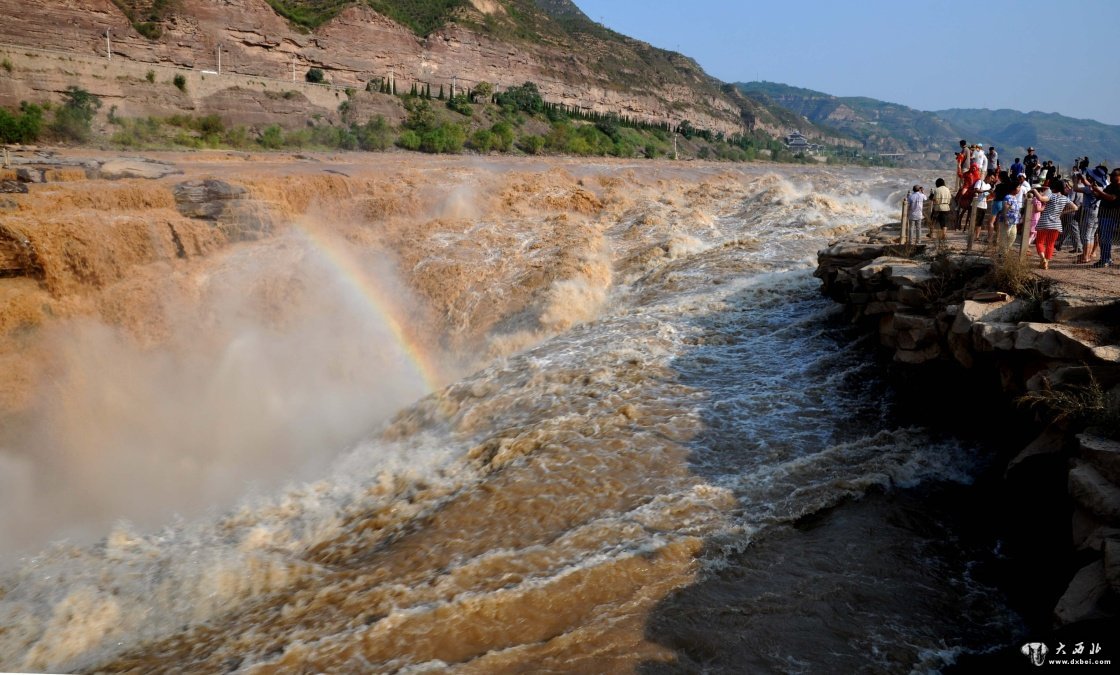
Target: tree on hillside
(314, 75)
(25, 127)
(72, 120)
(524, 98)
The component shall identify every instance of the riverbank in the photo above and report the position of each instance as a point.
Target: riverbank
(1042, 347)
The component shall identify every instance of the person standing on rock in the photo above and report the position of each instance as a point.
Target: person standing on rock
(1036, 213)
(942, 200)
(1030, 162)
(1055, 202)
(980, 193)
(963, 158)
(1011, 213)
(979, 158)
(1108, 216)
(1090, 210)
(917, 202)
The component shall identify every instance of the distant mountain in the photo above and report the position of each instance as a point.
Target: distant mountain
(892, 128)
(881, 127)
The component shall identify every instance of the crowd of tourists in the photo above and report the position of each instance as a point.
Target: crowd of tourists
(1080, 211)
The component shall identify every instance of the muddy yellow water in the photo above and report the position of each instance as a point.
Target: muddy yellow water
(488, 416)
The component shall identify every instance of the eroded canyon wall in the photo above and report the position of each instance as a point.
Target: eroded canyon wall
(355, 47)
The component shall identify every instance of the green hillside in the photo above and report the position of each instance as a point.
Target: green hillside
(880, 126)
(422, 16)
(888, 127)
(1054, 136)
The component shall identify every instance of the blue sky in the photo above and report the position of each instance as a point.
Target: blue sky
(929, 55)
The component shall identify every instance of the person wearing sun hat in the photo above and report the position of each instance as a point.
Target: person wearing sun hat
(1087, 226)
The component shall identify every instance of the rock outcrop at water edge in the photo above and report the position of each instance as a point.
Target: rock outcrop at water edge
(1055, 341)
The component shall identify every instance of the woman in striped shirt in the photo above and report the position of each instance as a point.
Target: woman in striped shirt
(1055, 201)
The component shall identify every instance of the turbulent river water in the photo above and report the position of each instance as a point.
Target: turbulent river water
(650, 445)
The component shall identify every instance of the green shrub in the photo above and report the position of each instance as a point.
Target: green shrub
(182, 121)
(299, 138)
(531, 144)
(272, 137)
(137, 133)
(238, 137)
(72, 121)
(420, 116)
(210, 124)
(341, 138)
(503, 136)
(409, 140)
(524, 98)
(314, 75)
(22, 128)
(373, 135)
(483, 91)
(151, 76)
(482, 141)
(6, 64)
(187, 140)
(150, 30)
(180, 82)
(446, 138)
(460, 104)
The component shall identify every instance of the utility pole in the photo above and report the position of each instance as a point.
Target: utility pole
(108, 47)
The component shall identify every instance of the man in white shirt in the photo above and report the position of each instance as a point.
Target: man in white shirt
(980, 158)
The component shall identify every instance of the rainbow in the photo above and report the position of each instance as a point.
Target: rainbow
(372, 296)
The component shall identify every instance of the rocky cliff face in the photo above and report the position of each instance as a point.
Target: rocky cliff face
(355, 47)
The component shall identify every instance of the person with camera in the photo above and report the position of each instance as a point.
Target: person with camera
(1108, 216)
(1090, 207)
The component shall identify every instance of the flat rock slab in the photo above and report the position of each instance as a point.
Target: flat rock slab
(115, 169)
(883, 265)
(1054, 340)
(209, 198)
(1103, 454)
(1111, 548)
(1083, 305)
(852, 251)
(1084, 597)
(997, 311)
(1094, 493)
(12, 187)
(1050, 442)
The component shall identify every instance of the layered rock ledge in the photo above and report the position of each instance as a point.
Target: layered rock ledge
(1055, 347)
